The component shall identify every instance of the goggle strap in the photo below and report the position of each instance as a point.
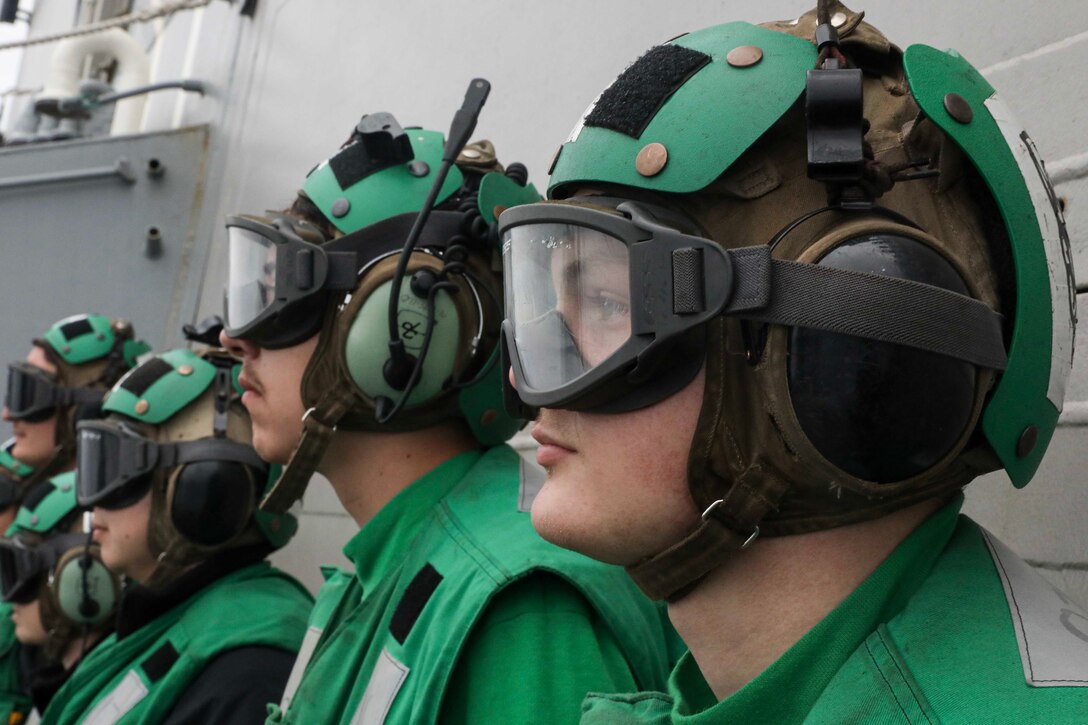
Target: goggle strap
(78, 396)
(870, 306)
(728, 525)
(343, 267)
(172, 455)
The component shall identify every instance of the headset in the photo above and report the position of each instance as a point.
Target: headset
(85, 591)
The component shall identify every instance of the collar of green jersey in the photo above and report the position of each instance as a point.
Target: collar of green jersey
(383, 542)
(787, 690)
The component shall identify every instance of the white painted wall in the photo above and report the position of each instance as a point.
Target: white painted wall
(289, 84)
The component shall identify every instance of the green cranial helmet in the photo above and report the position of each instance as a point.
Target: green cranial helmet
(176, 426)
(442, 362)
(45, 555)
(861, 243)
(51, 505)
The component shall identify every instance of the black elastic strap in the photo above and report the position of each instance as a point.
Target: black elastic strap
(412, 602)
(349, 253)
(874, 307)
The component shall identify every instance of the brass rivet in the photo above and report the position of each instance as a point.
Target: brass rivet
(341, 207)
(958, 107)
(100, 336)
(66, 349)
(744, 55)
(651, 159)
(142, 407)
(185, 370)
(1027, 441)
(34, 520)
(498, 210)
(490, 416)
(274, 525)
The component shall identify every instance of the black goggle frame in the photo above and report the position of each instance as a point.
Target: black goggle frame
(138, 456)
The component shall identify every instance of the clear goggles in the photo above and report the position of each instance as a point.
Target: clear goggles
(34, 395)
(25, 565)
(114, 462)
(600, 300)
(281, 271)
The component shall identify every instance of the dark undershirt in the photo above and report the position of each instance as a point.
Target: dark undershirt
(235, 688)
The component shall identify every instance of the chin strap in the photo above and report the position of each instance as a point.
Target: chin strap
(729, 524)
(316, 434)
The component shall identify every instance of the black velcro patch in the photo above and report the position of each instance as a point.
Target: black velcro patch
(160, 662)
(633, 99)
(76, 328)
(139, 380)
(36, 495)
(415, 598)
(354, 164)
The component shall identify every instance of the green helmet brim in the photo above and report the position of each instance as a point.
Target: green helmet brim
(1022, 413)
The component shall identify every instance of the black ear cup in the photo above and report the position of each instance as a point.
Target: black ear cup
(878, 411)
(85, 590)
(211, 501)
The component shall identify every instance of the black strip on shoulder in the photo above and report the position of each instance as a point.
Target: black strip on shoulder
(160, 662)
(36, 495)
(139, 380)
(415, 598)
(76, 328)
(633, 99)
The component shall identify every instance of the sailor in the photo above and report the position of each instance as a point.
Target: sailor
(14, 701)
(61, 595)
(456, 611)
(206, 629)
(63, 380)
(793, 289)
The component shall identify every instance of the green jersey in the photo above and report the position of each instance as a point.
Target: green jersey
(140, 678)
(14, 701)
(952, 627)
(457, 611)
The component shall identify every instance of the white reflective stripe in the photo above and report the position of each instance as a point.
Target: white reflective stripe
(116, 705)
(385, 682)
(1059, 256)
(1051, 630)
(305, 654)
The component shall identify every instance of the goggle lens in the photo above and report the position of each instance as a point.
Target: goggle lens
(569, 299)
(251, 283)
(30, 393)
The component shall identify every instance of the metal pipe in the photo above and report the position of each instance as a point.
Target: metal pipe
(122, 169)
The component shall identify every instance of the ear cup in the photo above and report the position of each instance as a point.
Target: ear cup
(366, 351)
(85, 590)
(878, 411)
(210, 502)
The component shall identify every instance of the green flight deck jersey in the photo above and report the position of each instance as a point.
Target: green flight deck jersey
(15, 702)
(140, 678)
(457, 611)
(951, 628)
